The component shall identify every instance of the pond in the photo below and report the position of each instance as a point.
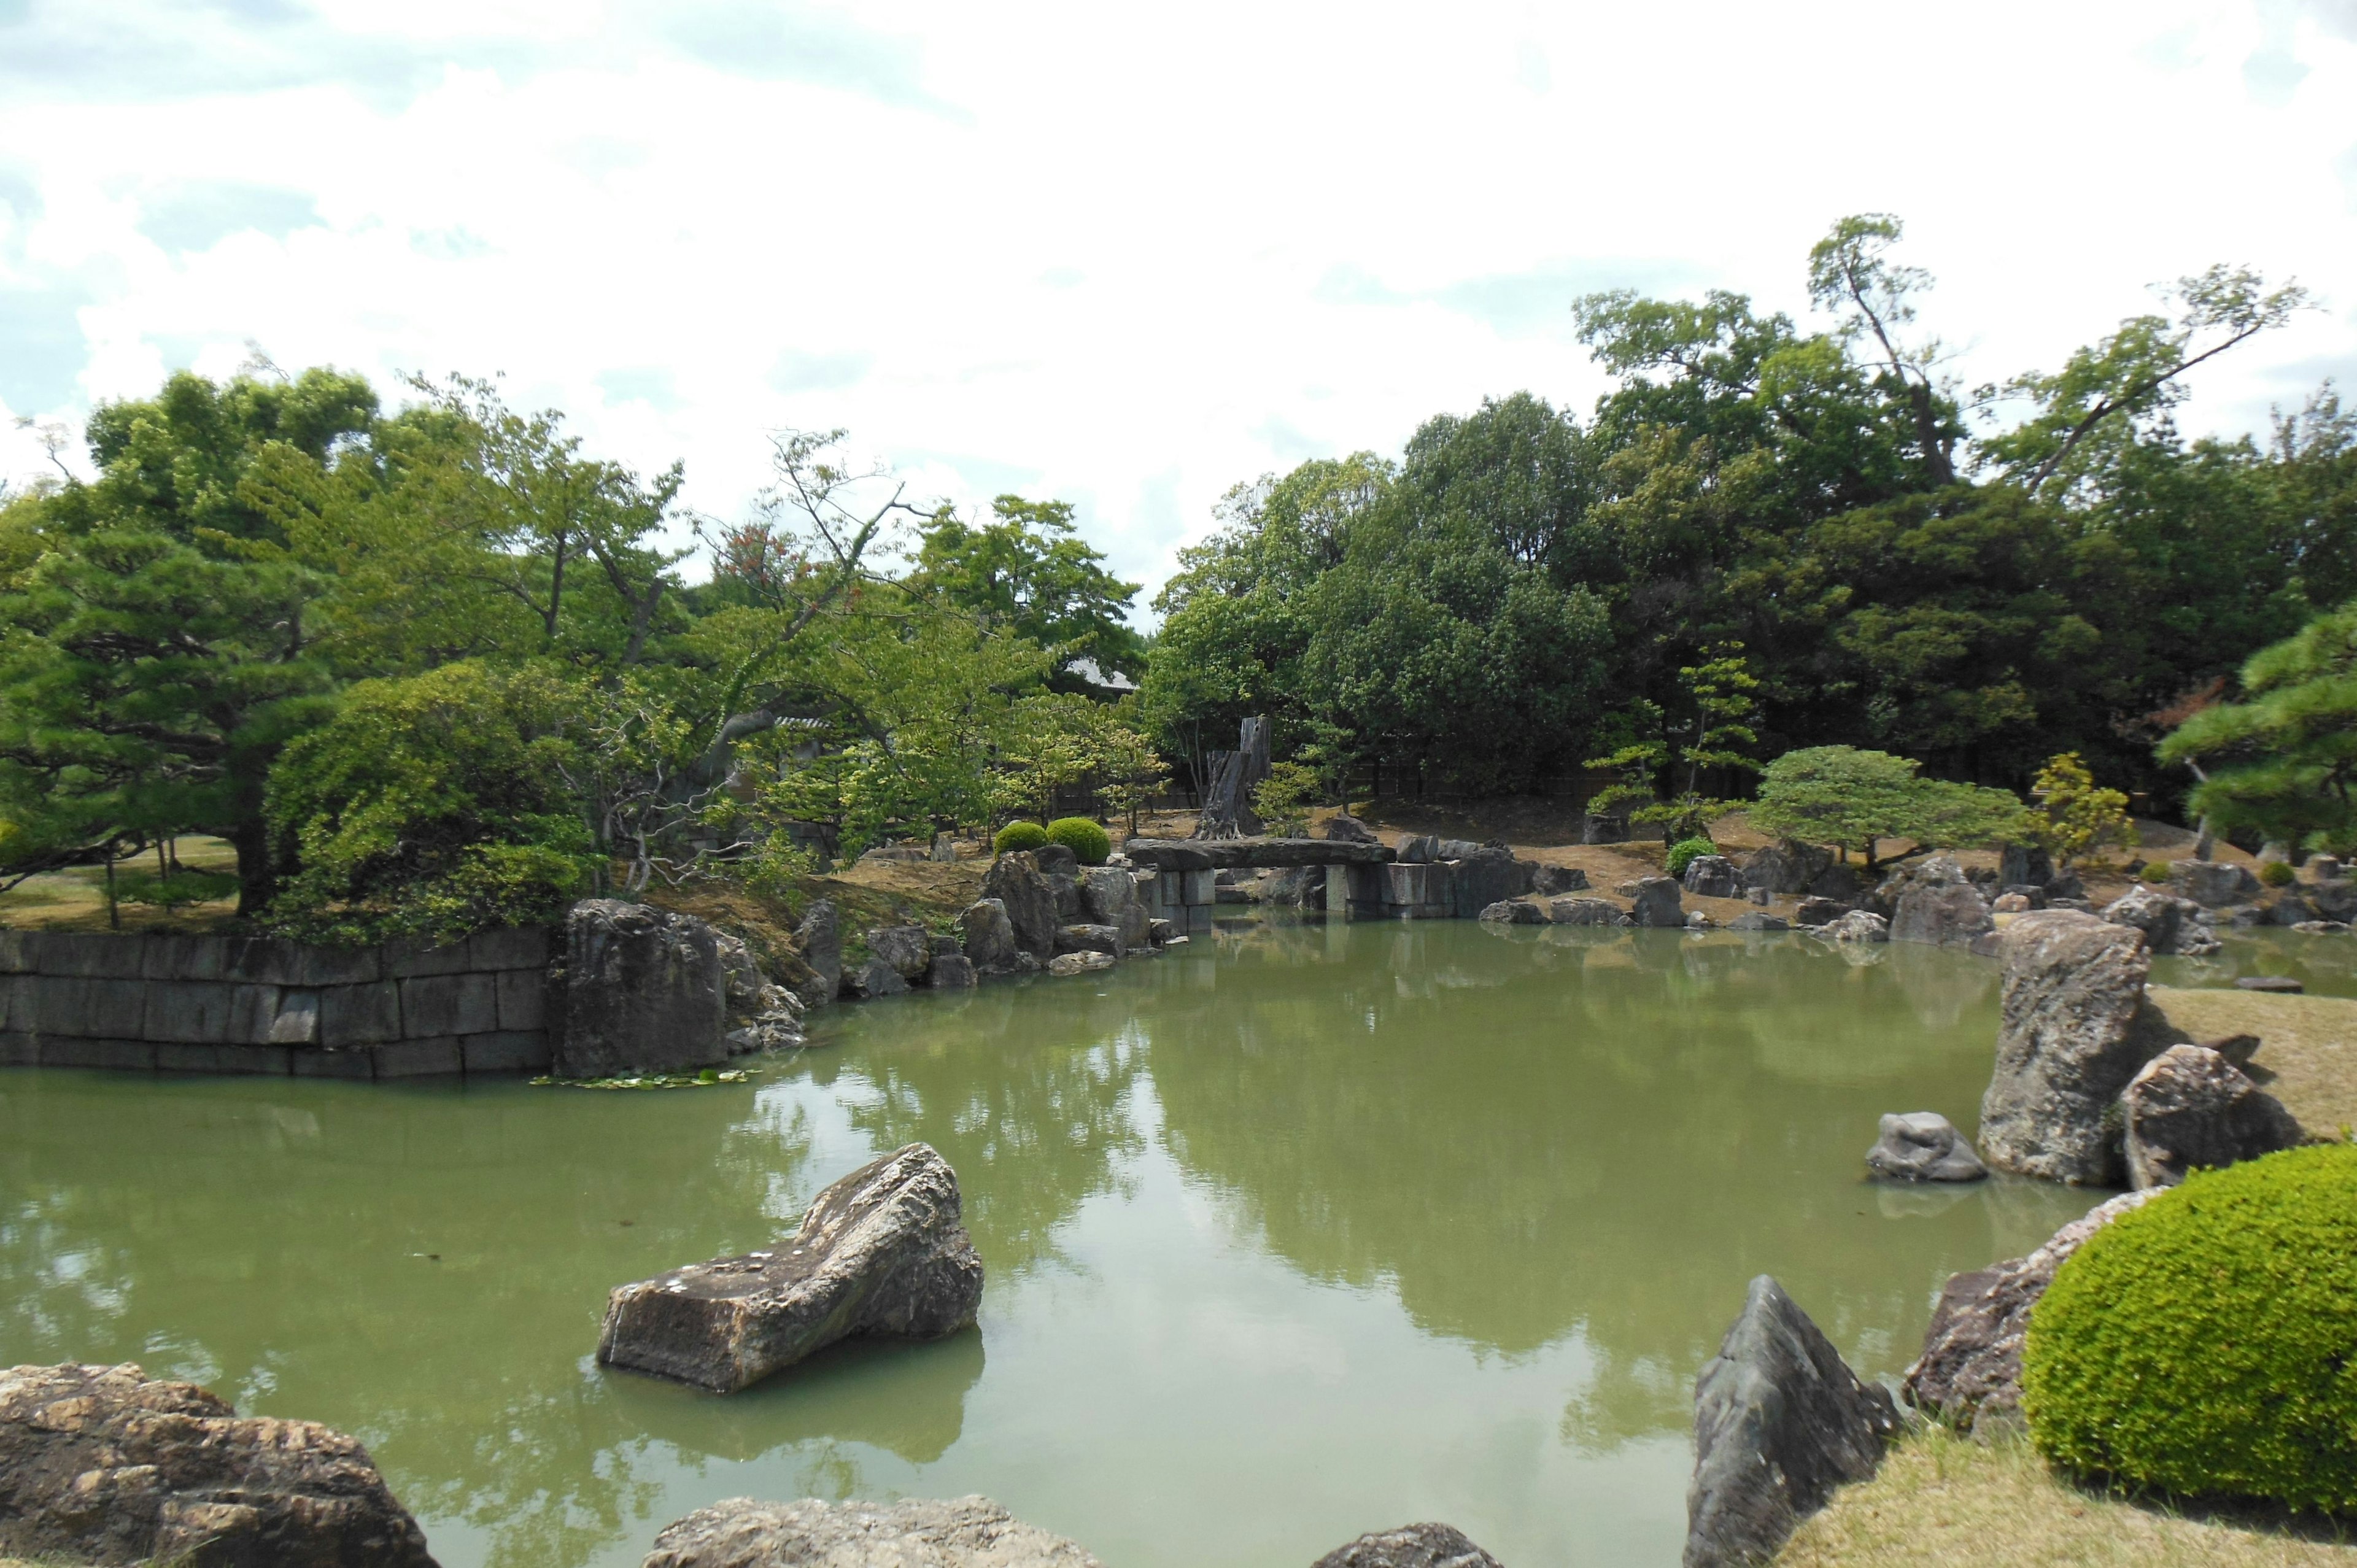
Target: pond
(1298, 1231)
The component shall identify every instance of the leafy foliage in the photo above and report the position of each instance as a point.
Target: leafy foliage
(2201, 1345)
(2075, 813)
(1685, 852)
(1840, 795)
(1285, 797)
(2283, 763)
(1089, 843)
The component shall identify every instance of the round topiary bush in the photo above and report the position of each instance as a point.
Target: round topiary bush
(1017, 836)
(2156, 872)
(1088, 842)
(2278, 874)
(1684, 852)
(2206, 1343)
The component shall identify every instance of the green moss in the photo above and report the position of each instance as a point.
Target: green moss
(1015, 837)
(2206, 1343)
(1088, 842)
(2277, 873)
(1685, 852)
(2156, 872)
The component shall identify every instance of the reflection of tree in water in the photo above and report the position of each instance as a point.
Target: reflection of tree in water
(1611, 1133)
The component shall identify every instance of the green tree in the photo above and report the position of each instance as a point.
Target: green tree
(2283, 761)
(1712, 742)
(2076, 814)
(1843, 796)
(1027, 570)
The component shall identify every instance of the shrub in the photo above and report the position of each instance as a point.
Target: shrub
(2156, 872)
(2206, 1343)
(1684, 852)
(1017, 836)
(2277, 873)
(1088, 842)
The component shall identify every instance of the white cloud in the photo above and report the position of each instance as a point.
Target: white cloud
(1123, 256)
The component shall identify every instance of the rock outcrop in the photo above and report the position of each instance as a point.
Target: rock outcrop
(988, 936)
(1815, 911)
(1585, 912)
(2073, 1027)
(1409, 1546)
(819, 938)
(103, 1465)
(1548, 881)
(1109, 897)
(2212, 884)
(1344, 828)
(1937, 904)
(1857, 926)
(1787, 866)
(1057, 860)
(1064, 966)
(1924, 1145)
(2190, 1108)
(1970, 1371)
(880, 1251)
(1779, 1422)
(2170, 924)
(1658, 903)
(1712, 876)
(1086, 938)
(908, 949)
(1022, 890)
(645, 992)
(916, 1532)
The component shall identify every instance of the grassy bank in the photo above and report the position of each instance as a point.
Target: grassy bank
(1940, 1501)
(2307, 1046)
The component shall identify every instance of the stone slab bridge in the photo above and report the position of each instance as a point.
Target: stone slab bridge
(1425, 879)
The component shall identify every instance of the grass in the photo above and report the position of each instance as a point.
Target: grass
(2307, 1046)
(75, 900)
(1943, 1501)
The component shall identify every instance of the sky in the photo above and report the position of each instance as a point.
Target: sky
(1124, 256)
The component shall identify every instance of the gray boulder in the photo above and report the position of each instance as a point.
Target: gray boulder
(1023, 891)
(1065, 888)
(1969, 1374)
(1585, 912)
(916, 1532)
(1756, 920)
(952, 972)
(881, 1251)
(2212, 884)
(1514, 912)
(1857, 926)
(1657, 903)
(2024, 864)
(908, 949)
(1924, 1145)
(2334, 897)
(1549, 880)
(1603, 828)
(1484, 876)
(988, 936)
(2167, 921)
(1410, 1546)
(1109, 897)
(1713, 877)
(645, 992)
(1418, 849)
(1819, 911)
(2275, 984)
(1064, 966)
(104, 1465)
(1057, 860)
(2074, 1027)
(1344, 828)
(1455, 849)
(1087, 938)
(1943, 912)
(819, 938)
(1779, 1422)
(875, 977)
(1787, 866)
(2190, 1108)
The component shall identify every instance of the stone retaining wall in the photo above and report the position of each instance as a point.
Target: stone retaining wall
(247, 1004)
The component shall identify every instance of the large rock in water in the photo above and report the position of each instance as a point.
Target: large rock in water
(1410, 1546)
(2168, 922)
(881, 1251)
(2190, 1108)
(1970, 1371)
(1924, 1145)
(645, 991)
(1485, 875)
(2073, 1027)
(1022, 890)
(989, 936)
(102, 1464)
(908, 949)
(1657, 903)
(1109, 897)
(916, 1532)
(1779, 1422)
(820, 936)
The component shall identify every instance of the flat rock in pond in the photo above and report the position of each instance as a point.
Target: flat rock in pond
(1514, 912)
(915, 1532)
(1779, 1422)
(2281, 984)
(1064, 966)
(1585, 912)
(1924, 1145)
(1758, 920)
(881, 1251)
(103, 1465)
(2190, 1109)
(1410, 1546)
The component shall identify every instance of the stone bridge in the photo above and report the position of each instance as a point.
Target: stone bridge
(1425, 879)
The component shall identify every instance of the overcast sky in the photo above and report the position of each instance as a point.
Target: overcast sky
(1123, 255)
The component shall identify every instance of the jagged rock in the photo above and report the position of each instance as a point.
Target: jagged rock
(2024, 864)
(1066, 888)
(819, 938)
(1838, 882)
(1484, 875)
(1410, 1546)
(1924, 1145)
(1066, 965)
(988, 935)
(741, 979)
(1712, 876)
(1756, 920)
(1057, 860)
(952, 972)
(2167, 921)
(916, 1532)
(1087, 938)
(2064, 885)
(2074, 1028)
(881, 1251)
(1969, 1374)
(1938, 904)
(1022, 889)
(1549, 880)
(1657, 902)
(1787, 866)
(2333, 897)
(1819, 911)
(1344, 828)
(2190, 1109)
(1760, 896)
(1162, 933)
(2212, 884)
(1857, 926)
(1418, 849)
(1109, 897)
(1603, 828)
(1779, 1422)
(103, 1465)
(908, 949)
(1585, 912)
(645, 991)
(877, 977)
(1514, 912)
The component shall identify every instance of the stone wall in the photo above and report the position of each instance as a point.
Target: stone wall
(248, 1004)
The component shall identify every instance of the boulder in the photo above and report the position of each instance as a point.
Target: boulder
(1484, 876)
(1162, 933)
(908, 949)
(1756, 920)
(645, 992)
(2279, 984)
(1409, 1546)
(1942, 913)
(2167, 921)
(1585, 912)
(1857, 926)
(2032, 896)
(915, 1532)
(2024, 864)
(1549, 880)
(944, 851)
(1924, 1145)
(1087, 938)
(1057, 860)
(1779, 1422)
(1657, 903)
(2334, 897)
(2010, 904)
(819, 938)
(1418, 849)
(988, 936)
(875, 977)
(1064, 886)
(1819, 911)
(104, 1465)
(1455, 849)
(2212, 884)
(881, 1251)
(1713, 877)
(1064, 966)
(1787, 865)
(1970, 1371)
(1344, 828)
(2189, 1109)
(1514, 912)
(1021, 888)
(1697, 920)
(2073, 1027)
(952, 972)
(1109, 897)
(1603, 828)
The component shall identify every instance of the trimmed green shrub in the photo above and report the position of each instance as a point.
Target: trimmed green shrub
(1088, 842)
(1684, 853)
(2156, 872)
(2206, 1343)
(1017, 836)
(2278, 874)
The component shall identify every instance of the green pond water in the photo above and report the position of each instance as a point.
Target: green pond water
(1298, 1231)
